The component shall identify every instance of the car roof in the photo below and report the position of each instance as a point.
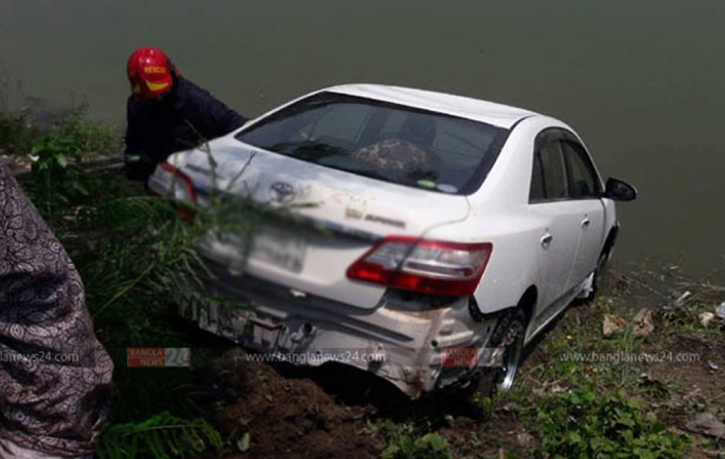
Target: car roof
(465, 107)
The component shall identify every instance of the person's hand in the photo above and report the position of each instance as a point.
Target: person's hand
(138, 167)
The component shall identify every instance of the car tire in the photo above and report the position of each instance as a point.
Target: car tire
(510, 334)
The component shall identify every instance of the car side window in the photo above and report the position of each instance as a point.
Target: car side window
(553, 171)
(583, 180)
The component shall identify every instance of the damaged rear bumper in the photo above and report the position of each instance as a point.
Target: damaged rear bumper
(418, 343)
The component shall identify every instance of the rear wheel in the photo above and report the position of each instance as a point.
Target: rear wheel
(513, 343)
(512, 340)
(509, 335)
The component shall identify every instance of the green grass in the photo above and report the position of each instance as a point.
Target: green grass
(403, 442)
(584, 424)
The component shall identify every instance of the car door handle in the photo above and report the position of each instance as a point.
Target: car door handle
(546, 241)
(586, 222)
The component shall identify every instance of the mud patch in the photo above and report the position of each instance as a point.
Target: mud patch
(695, 385)
(503, 432)
(284, 417)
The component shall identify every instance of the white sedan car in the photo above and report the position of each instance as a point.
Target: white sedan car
(426, 237)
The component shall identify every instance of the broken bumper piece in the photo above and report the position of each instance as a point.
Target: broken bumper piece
(416, 345)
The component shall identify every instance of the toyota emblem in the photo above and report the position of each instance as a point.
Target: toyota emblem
(281, 192)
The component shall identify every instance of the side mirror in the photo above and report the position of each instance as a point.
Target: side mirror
(619, 190)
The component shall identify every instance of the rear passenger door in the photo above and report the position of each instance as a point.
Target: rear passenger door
(560, 219)
(585, 190)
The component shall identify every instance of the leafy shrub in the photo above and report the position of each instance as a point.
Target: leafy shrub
(162, 436)
(485, 405)
(16, 134)
(149, 263)
(402, 442)
(91, 138)
(59, 178)
(429, 446)
(581, 424)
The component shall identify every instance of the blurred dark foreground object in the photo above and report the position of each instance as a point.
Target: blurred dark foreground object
(55, 377)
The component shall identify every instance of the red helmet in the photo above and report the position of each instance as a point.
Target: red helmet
(150, 72)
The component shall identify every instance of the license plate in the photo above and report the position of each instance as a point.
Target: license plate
(240, 326)
(279, 248)
(270, 245)
(227, 322)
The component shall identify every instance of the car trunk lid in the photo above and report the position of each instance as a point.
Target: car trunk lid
(333, 218)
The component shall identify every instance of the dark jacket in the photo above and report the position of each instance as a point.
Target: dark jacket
(187, 117)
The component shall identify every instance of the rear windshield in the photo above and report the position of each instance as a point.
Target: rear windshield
(384, 141)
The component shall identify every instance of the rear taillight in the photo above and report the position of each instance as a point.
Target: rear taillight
(180, 186)
(424, 266)
(175, 184)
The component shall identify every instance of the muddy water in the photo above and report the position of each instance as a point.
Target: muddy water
(643, 82)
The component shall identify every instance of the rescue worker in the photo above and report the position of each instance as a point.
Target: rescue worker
(168, 113)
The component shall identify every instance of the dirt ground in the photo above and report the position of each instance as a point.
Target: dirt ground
(286, 417)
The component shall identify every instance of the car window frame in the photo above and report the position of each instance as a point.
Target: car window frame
(561, 135)
(540, 171)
